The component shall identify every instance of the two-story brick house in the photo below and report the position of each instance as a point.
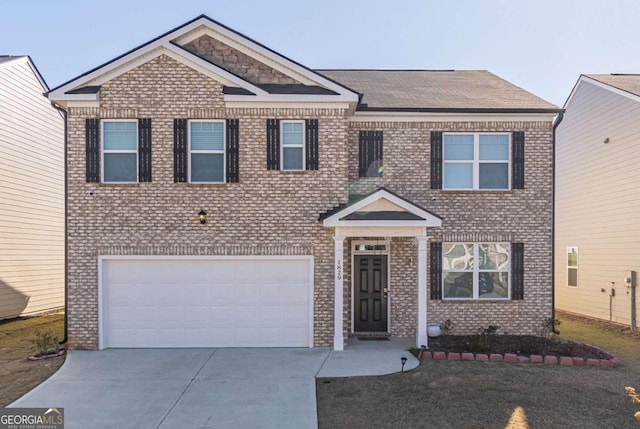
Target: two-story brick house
(220, 194)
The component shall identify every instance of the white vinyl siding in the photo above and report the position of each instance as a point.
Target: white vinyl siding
(32, 195)
(207, 151)
(598, 201)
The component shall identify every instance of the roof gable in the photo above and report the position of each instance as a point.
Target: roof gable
(10, 60)
(180, 44)
(625, 85)
(382, 208)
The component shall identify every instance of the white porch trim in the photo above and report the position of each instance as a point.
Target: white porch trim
(421, 308)
(338, 335)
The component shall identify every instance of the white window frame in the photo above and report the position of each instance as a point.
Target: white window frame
(577, 266)
(476, 273)
(303, 145)
(475, 186)
(217, 151)
(103, 151)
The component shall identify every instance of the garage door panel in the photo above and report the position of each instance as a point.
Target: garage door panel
(206, 303)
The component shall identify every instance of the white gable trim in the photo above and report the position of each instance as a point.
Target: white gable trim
(335, 220)
(606, 86)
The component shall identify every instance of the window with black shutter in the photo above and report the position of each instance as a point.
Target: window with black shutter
(435, 267)
(517, 271)
(517, 160)
(436, 160)
(273, 144)
(311, 144)
(370, 154)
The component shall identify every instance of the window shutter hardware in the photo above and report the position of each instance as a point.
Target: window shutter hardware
(517, 160)
(311, 142)
(180, 150)
(233, 150)
(273, 144)
(92, 128)
(144, 150)
(436, 160)
(435, 268)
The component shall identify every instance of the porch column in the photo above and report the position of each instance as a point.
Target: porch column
(421, 335)
(338, 336)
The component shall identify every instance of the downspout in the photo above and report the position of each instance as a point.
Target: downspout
(66, 240)
(553, 225)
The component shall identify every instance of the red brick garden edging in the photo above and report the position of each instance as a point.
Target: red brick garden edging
(514, 358)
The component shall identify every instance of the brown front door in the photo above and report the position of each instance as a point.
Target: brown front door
(370, 293)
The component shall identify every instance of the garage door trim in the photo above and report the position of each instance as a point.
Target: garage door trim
(103, 258)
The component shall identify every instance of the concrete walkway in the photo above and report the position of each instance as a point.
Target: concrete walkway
(204, 388)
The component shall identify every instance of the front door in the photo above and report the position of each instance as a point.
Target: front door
(370, 293)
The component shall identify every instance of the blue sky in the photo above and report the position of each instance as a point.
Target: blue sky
(540, 45)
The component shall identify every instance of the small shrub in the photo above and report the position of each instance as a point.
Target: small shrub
(446, 327)
(567, 348)
(548, 327)
(484, 340)
(45, 342)
(635, 398)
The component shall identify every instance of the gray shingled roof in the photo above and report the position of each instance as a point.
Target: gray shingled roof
(436, 89)
(625, 82)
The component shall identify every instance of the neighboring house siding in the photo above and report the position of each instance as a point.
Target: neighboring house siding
(597, 202)
(520, 215)
(268, 212)
(31, 195)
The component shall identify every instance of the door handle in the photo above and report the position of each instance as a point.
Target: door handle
(385, 292)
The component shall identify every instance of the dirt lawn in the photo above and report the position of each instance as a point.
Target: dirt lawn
(18, 374)
(442, 394)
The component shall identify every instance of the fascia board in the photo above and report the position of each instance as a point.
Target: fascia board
(360, 116)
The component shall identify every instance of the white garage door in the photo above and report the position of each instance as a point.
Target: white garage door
(222, 302)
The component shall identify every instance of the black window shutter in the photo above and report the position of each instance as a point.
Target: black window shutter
(144, 150)
(180, 150)
(517, 271)
(233, 150)
(370, 153)
(273, 144)
(311, 142)
(435, 266)
(517, 160)
(93, 149)
(436, 159)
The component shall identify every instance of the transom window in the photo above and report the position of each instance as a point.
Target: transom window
(119, 151)
(292, 147)
(206, 151)
(475, 270)
(476, 161)
(572, 266)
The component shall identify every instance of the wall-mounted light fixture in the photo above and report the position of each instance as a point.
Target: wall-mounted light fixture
(203, 217)
(606, 141)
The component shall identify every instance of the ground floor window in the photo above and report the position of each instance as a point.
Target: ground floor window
(572, 266)
(475, 270)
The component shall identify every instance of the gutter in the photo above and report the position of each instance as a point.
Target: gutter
(557, 122)
(66, 240)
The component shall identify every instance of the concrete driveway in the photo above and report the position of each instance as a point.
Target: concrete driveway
(201, 388)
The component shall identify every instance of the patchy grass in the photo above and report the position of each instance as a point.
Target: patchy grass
(18, 374)
(446, 394)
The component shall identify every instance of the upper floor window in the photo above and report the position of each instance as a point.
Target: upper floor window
(476, 161)
(475, 270)
(206, 151)
(292, 147)
(119, 151)
(572, 266)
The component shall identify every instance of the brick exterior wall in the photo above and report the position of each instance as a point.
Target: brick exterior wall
(520, 215)
(275, 212)
(236, 62)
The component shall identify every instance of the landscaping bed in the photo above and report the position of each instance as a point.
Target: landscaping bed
(522, 345)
